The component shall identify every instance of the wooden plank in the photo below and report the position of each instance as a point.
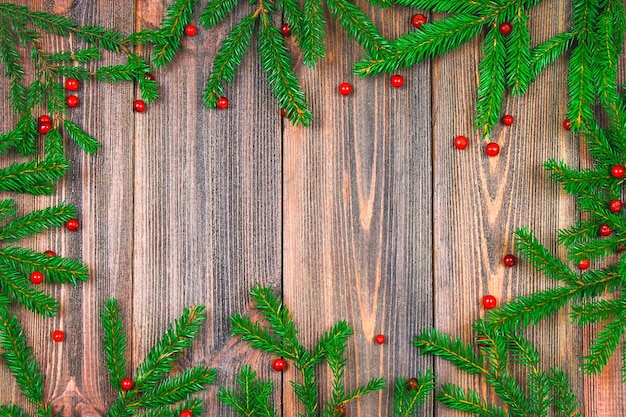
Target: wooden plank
(479, 201)
(101, 188)
(207, 201)
(357, 215)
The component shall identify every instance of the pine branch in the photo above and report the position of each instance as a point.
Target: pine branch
(410, 395)
(518, 53)
(252, 396)
(114, 341)
(455, 398)
(312, 35)
(548, 52)
(37, 221)
(15, 286)
(452, 350)
(177, 16)
(604, 344)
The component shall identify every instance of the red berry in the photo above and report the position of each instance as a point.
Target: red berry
(222, 103)
(44, 118)
(36, 277)
(285, 29)
(616, 205)
(461, 142)
(380, 339)
(340, 411)
(567, 124)
(506, 28)
(149, 76)
(509, 260)
(72, 84)
(185, 413)
(413, 385)
(72, 225)
(190, 30)
(72, 101)
(49, 253)
(139, 106)
(397, 81)
(58, 335)
(618, 171)
(44, 128)
(283, 112)
(489, 302)
(345, 89)
(492, 149)
(481, 341)
(584, 264)
(126, 384)
(507, 120)
(279, 365)
(605, 230)
(417, 20)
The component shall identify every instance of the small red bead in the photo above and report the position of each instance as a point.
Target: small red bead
(72, 101)
(584, 264)
(72, 84)
(397, 81)
(509, 260)
(618, 171)
(492, 149)
(567, 124)
(149, 76)
(285, 29)
(417, 20)
(44, 118)
(126, 384)
(507, 120)
(506, 28)
(489, 302)
(380, 339)
(283, 112)
(616, 205)
(58, 335)
(413, 385)
(480, 341)
(139, 106)
(340, 411)
(605, 230)
(49, 253)
(36, 277)
(44, 128)
(345, 89)
(222, 103)
(185, 413)
(191, 30)
(461, 142)
(72, 225)
(279, 365)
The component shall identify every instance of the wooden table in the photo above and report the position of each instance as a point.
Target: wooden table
(370, 214)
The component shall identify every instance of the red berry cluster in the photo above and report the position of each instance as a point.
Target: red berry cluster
(72, 84)
(44, 124)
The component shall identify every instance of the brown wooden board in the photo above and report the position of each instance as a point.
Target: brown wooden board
(369, 215)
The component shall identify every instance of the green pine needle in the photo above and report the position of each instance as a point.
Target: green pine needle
(82, 139)
(215, 11)
(114, 341)
(37, 221)
(411, 395)
(459, 354)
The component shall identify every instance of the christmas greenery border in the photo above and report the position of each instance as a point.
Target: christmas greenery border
(509, 64)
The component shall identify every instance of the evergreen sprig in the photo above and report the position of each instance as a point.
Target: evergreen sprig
(22, 46)
(497, 352)
(280, 338)
(159, 396)
(17, 263)
(509, 62)
(410, 394)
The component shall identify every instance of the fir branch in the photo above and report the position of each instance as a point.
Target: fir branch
(87, 143)
(410, 395)
(596, 311)
(12, 410)
(492, 82)
(37, 178)
(577, 181)
(449, 6)
(451, 349)
(177, 16)
(178, 387)
(20, 359)
(20, 291)
(252, 396)
(228, 59)
(215, 11)
(276, 64)
(529, 246)
(37, 221)
(604, 345)
(56, 269)
(564, 400)
(177, 337)
(455, 398)
(114, 341)
(518, 53)
(313, 34)
(548, 52)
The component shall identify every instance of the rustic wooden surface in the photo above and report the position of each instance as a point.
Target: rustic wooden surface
(369, 215)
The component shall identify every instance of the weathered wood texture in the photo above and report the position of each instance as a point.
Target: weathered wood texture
(368, 215)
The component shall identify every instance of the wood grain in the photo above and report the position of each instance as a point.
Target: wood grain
(369, 215)
(357, 214)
